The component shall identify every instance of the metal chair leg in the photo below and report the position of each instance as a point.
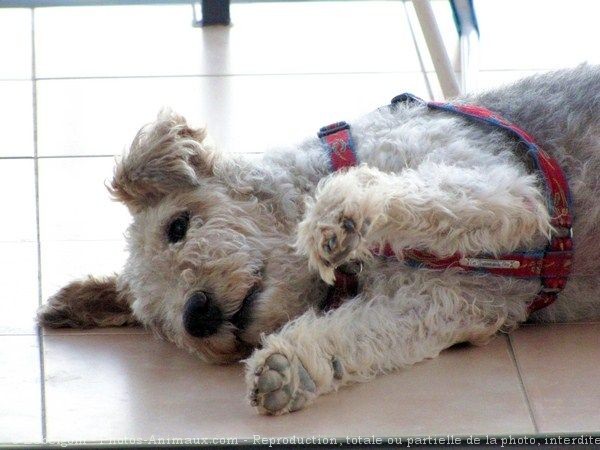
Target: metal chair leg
(435, 44)
(468, 30)
(213, 12)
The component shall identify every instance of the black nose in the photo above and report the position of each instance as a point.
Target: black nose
(201, 317)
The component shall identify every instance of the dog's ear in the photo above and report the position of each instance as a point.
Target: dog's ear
(93, 302)
(165, 156)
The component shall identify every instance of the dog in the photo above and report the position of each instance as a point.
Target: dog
(231, 258)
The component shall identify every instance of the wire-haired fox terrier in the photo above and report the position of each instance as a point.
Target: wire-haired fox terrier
(370, 247)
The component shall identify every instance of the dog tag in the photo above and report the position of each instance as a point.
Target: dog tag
(490, 263)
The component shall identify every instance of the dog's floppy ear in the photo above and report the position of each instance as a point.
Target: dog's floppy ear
(93, 302)
(165, 156)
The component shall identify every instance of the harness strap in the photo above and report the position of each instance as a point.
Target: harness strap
(338, 142)
(542, 264)
(552, 265)
(557, 189)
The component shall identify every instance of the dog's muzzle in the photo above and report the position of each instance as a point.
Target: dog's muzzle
(201, 317)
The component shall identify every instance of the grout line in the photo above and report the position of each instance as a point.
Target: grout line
(40, 336)
(39, 333)
(38, 157)
(226, 75)
(35, 157)
(86, 239)
(23, 242)
(132, 332)
(13, 79)
(16, 157)
(418, 51)
(268, 74)
(69, 156)
(33, 333)
(522, 383)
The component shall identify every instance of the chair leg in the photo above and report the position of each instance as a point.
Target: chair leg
(214, 12)
(435, 44)
(466, 23)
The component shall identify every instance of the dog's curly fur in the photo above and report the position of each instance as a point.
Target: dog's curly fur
(427, 180)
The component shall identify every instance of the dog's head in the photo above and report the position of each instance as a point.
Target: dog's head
(198, 245)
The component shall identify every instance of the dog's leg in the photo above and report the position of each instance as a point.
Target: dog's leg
(87, 303)
(316, 354)
(439, 208)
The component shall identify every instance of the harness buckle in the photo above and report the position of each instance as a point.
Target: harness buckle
(406, 98)
(333, 128)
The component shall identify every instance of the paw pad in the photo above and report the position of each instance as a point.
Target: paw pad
(281, 386)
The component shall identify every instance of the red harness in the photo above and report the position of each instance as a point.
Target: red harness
(551, 265)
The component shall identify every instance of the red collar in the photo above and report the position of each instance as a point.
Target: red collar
(551, 265)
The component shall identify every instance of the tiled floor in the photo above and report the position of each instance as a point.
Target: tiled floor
(75, 85)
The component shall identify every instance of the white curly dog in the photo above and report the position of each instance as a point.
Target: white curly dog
(448, 229)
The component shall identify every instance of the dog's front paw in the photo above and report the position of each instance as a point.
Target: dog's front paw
(339, 225)
(279, 384)
(338, 238)
(340, 241)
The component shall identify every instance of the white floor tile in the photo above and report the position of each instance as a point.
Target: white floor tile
(116, 40)
(65, 261)
(74, 202)
(19, 281)
(131, 385)
(20, 408)
(15, 36)
(16, 118)
(559, 370)
(91, 117)
(17, 208)
(265, 112)
(311, 37)
(538, 34)
(243, 113)
(319, 37)
(486, 80)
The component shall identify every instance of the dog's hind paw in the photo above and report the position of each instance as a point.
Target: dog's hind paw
(280, 385)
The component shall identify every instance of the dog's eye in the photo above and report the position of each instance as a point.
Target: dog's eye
(178, 228)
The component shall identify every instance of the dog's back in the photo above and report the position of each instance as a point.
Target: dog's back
(562, 111)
